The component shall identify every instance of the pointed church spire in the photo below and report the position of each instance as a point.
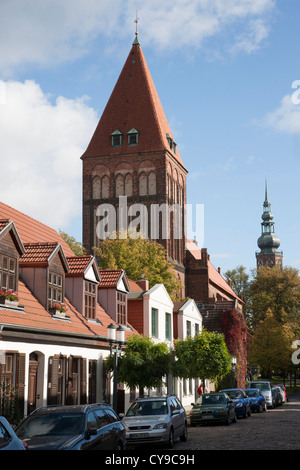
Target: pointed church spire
(268, 242)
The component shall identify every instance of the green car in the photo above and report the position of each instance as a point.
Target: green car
(212, 408)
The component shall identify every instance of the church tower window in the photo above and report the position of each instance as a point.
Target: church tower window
(116, 138)
(133, 137)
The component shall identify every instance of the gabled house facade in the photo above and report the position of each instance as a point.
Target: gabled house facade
(53, 334)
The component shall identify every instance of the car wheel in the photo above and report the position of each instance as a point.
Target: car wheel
(260, 409)
(249, 412)
(171, 439)
(183, 437)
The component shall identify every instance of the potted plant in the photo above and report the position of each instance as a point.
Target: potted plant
(9, 298)
(58, 308)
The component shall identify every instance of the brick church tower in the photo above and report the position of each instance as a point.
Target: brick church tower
(132, 158)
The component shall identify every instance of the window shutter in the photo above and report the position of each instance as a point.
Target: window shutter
(53, 380)
(83, 381)
(20, 379)
(69, 388)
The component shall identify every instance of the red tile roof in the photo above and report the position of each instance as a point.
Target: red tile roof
(38, 252)
(134, 103)
(133, 286)
(110, 277)
(78, 264)
(35, 318)
(31, 230)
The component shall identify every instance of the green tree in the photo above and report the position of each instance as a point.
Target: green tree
(240, 284)
(277, 289)
(139, 256)
(271, 345)
(75, 246)
(143, 364)
(205, 356)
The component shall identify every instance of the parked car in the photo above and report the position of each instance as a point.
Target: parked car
(212, 408)
(8, 438)
(80, 427)
(155, 419)
(240, 401)
(257, 399)
(277, 392)
(266, 389)
(284, 392)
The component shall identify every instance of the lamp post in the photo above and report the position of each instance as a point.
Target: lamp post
(116, 339)
(233, 363)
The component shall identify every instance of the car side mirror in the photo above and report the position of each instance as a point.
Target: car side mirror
(175, 412)
(121, 415)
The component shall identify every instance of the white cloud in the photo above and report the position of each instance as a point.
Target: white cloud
(40, 149)
(53, 31)
(286, 118)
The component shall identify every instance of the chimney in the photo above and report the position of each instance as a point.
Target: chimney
(143, 283)
(229, 282)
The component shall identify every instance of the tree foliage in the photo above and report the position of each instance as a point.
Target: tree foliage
(277, 289)
(75, 246)
(271, 346)
(139, 256)
(143, 364)
(205, 356)
(240, 284)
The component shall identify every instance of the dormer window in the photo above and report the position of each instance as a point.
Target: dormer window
(121, 308)
(7, 273)
(133, 137)
(90, 300)
(116, 138)
(55, 288)
(172, 144)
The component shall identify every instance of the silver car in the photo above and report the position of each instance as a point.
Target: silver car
(266, 389)
(8, 438)
(155, 419)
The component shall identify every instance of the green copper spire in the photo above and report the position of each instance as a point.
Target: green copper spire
(268, 242)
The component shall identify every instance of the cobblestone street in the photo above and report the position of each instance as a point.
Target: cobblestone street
(277, 429)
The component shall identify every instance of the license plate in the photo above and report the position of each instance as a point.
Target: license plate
(138, 435)
(207, 417)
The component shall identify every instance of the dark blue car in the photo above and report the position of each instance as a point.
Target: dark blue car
(257, 400)
(240, 400)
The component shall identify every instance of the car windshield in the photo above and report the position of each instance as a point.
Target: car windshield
(211, 399)
(260, 386)
(148, 407)
(55, 424)
(235, 393)
(252, 393)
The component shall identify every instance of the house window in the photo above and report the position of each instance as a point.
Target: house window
(196, 328)
(55, 288)
(90, 300)
(133, 137)
(116, 139)
(168, 326)
(7, 272)
(121, 308)
(188, 328)
(154, 323)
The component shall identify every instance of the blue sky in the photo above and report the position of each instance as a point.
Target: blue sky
(228, 76)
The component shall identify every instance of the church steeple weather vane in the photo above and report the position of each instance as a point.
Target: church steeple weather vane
(136, 24)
